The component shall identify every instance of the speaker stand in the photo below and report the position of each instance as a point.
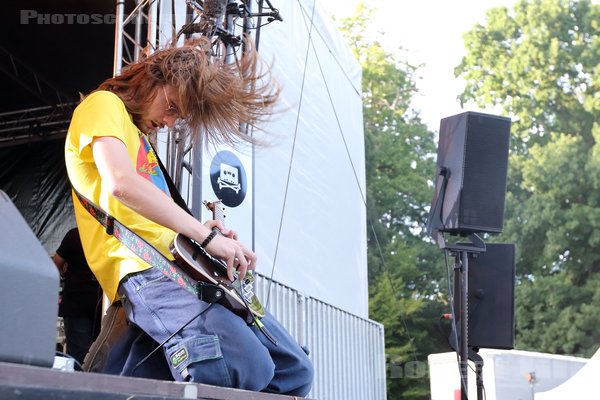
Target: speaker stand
(476, 358)
(460, 252)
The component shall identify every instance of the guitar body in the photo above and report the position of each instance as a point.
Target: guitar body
(201, 266)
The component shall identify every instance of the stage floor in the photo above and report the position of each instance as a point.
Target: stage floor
(32, 383)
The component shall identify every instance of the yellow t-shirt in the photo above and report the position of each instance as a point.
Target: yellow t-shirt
(103, 114)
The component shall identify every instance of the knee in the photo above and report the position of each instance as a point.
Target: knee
(254, 372)
(303, 376)
(247, 369)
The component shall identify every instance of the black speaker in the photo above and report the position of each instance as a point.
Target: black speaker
(491, 297)
(29, 287)
(472, 163)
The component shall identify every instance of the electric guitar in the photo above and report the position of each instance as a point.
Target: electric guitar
(239, 295)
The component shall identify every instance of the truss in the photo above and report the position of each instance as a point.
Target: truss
(38, 123)
(33, 124)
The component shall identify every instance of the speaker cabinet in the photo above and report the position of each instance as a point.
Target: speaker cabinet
(491, 297)
(29, 287)
(473, 153)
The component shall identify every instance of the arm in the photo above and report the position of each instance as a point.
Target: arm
(117, 173)
(61, 264)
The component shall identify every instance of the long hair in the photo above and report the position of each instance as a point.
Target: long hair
(214, 97)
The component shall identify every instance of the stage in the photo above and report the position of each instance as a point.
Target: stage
(18, 381)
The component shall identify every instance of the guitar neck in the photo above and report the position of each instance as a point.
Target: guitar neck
(218, 212)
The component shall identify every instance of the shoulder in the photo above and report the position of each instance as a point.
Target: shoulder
(72, 236)
(70, 241)
(99, 110)
(102, 98)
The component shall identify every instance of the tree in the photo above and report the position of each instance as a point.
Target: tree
(540, 64)
(552, 317)
(405, 268)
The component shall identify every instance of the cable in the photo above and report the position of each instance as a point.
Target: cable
(169, 338)
(477, 377)
(326, 44)
(287, 184)
(381, 256)
(337, 120)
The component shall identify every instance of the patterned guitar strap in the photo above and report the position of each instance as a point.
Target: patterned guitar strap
(204, 291)
(140, 247)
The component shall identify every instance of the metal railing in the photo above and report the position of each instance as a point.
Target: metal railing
(347, 351)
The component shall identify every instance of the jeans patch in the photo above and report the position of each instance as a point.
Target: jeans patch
(182, 353)
(179, 356)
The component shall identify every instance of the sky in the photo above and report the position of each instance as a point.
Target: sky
(430, 33)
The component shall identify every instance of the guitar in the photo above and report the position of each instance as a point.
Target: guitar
(239, 295)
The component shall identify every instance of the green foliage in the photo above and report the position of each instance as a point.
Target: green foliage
(540, 64)
(552, 316)
(404, 267)
(559, 219)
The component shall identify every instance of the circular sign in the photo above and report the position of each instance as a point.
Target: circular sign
(228, 178)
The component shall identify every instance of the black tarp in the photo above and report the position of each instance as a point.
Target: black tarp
(69, 55)
(35, 178)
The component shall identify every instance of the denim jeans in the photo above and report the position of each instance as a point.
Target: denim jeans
(217, 347)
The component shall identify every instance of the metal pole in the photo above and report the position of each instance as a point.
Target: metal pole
(118, 54)
(138, 34)
(464, 318)
(152, 24)
(301, 328)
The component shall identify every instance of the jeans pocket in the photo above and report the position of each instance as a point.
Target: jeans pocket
(145, 278)
(199, 359)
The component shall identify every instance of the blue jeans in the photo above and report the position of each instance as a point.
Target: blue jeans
(217, 347)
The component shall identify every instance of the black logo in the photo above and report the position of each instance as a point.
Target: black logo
(228, 178)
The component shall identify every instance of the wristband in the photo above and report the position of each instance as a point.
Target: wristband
(210, 237)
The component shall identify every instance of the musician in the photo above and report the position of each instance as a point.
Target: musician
(111, 163)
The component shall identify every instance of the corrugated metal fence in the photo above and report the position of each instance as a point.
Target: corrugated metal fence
(348, 352)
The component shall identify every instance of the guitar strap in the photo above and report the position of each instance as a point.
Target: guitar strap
(139, 246)
(175, 195)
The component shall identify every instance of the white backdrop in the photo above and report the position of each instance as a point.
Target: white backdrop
(301, 200)
(321, 250)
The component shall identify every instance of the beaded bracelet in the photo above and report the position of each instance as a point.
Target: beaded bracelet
(210, 237)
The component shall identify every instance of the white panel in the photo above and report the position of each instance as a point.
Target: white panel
(310, 213)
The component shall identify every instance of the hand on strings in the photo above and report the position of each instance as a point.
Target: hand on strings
(232, 252)
(212, 224)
